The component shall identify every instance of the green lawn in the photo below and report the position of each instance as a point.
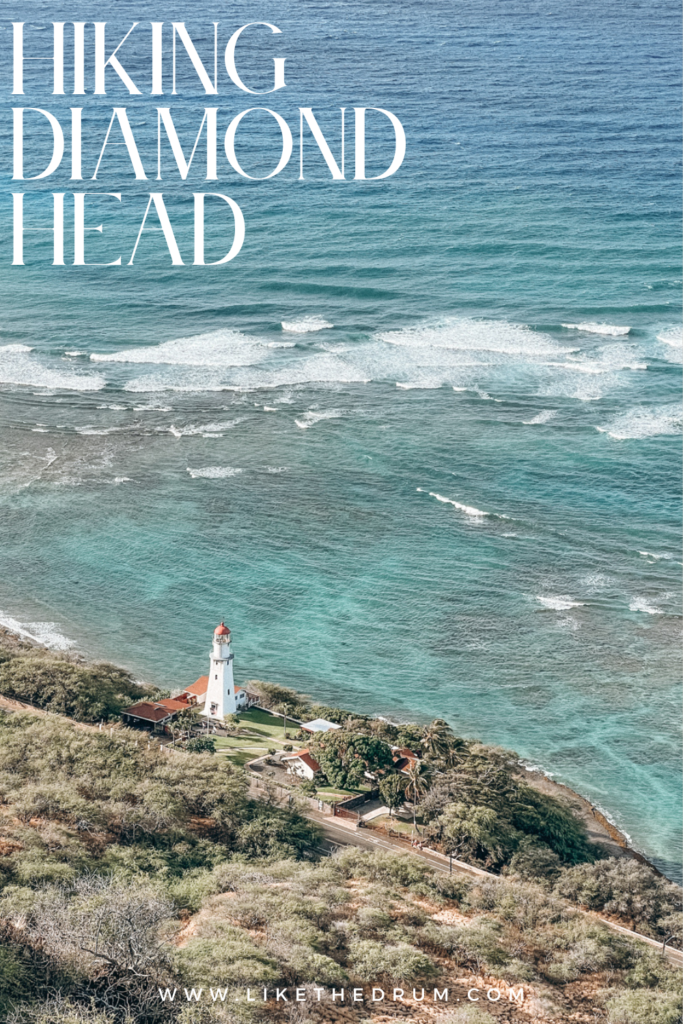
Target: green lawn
(327, 792)
(258, 731)
(397, 824)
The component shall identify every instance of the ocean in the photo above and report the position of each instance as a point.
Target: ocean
(419, 443)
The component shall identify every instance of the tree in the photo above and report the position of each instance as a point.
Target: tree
(346, 757)
(392, 791)
(285, 709)
(278, 834)
(623, 886)
(201, 745)
(436, 739)
(103, 922)
(477, 832)
(419, 778)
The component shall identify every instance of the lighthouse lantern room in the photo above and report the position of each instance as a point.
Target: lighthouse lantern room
(221, 698)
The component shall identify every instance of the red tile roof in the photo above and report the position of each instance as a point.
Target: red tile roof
(198, 688)
(407, 752)
(149, 712)
(306, 757)
(173, 704)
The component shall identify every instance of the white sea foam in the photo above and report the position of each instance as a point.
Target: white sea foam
(19, 366)
(152, 407)
(466, 335)
(544, 416)
(306, 325)
(427, 385)
(312, 417)
(641, 604)
(645, 421)
(214, 472)
(672, 336)
(116, 408)
(591, 328)
(45, 633)
(217, 348)
(275, 469)
(98, 431)
(559, 603)
(122, 479)
(657, 558)
(468, 510)
(204, 430)
(75, 353)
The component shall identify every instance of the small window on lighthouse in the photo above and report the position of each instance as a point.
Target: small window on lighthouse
(216, 676)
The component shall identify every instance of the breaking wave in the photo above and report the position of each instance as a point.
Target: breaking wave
(544, 416)
(217, 348)
(465, 335)
(44, 633)
(672, 336)
(306, 325)
(641, 604)
(591, 328)
(468, 510)
(645, 421)
(19, 366)
(204, 430)
(214, 472)
(559, 603)
(312, 417)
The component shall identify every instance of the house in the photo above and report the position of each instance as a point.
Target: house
(318, 725)
(301, 763)
(196, 694)
(403, 758)
(153, 714)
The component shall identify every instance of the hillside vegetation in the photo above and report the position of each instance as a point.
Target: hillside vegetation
(125, 868)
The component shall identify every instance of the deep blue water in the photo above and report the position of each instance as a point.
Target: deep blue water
(443, 503)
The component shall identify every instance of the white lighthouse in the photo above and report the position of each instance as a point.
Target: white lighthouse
(221, 698)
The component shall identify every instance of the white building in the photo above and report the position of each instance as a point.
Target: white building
(301, 763)
(319, 725)
(222, 696)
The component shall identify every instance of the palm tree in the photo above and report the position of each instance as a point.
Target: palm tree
(437, 738)
(285, 709)
(419, 779)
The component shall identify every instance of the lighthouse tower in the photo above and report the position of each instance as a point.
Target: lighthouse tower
(220, 695)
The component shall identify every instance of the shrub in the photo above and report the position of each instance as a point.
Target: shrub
(87, 693)
(278, 835)
(201, 745)
(369, 960)
(468, 1015)
(644, 1007)
(228, 957)
(58, 1011)
(15, 976)
(623, 887)
(534, 862)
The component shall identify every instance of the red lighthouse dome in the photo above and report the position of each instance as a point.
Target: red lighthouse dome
(221, 630)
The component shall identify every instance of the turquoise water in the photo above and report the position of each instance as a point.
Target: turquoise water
(446, 501)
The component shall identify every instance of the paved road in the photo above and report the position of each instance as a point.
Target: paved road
(336, 836)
